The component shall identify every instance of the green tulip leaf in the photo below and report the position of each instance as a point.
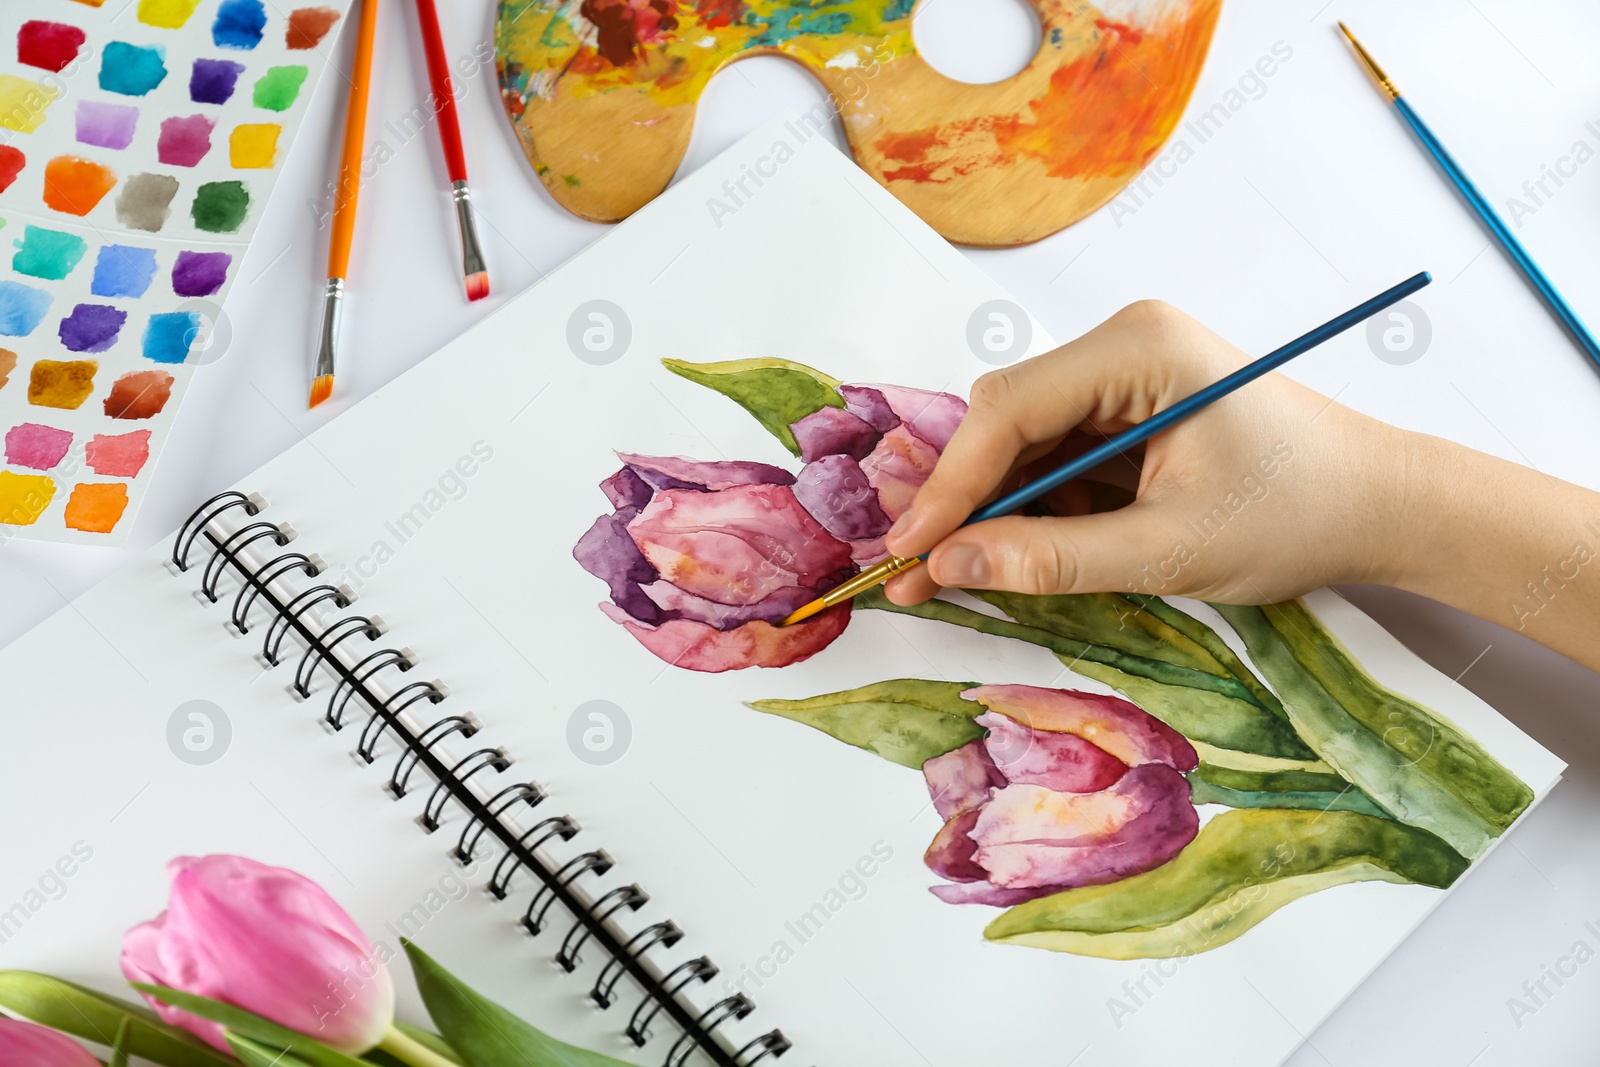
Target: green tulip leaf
(255, 1054)
(777, 392)
(1312, 790)
(1212, 642)
(248, 1024)
(429, 1040)
(121, 1043)
(484, 1033)
(1109, 620)
(905, 720)
(96, 1017)
(1243, 866)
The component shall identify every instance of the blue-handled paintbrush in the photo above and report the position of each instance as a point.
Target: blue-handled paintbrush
(1122, 442)
(1502, 233)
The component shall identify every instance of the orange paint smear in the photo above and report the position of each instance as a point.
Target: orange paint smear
(75, 185)
(96, 507)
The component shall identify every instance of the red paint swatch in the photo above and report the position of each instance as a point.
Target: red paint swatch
(139, 394)
(75, 185)
(119, 455)
(50, 45)
(308, 26)
(11, 163)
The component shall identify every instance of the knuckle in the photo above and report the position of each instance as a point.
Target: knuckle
(1150, 314)
(992, 391)
(1046, 566)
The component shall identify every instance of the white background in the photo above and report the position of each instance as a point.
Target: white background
(1311, 198)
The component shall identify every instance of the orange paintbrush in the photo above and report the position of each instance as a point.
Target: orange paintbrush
(344, 203)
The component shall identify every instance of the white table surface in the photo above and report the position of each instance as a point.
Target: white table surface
(1309, 199)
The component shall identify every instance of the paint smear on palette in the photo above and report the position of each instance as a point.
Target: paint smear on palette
(220, 207)
(21, 308)
(212, 80)
(166, 14)
(23, 497)
(277, 89)
(130, 69)
(146, 201)
(36, 446)
(48, 45)
(92, 327)
(23, 103)
(11, 163)
(169, 334)
(47, 254)
(58, 384)
(123, 270)
(74, 186)
(139, 395)
(8, 363)
(184, 141)
(96, 507)
(106, 125)
(253, 145)
(308, 26)
(118, 455)
(200, 273)
(239, 24)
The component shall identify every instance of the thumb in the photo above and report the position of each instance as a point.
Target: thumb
(1108, 552)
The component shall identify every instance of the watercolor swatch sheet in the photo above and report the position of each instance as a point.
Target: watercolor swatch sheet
(1101, 831)
(139, 140)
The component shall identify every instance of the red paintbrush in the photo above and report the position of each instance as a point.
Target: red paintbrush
(455, 159)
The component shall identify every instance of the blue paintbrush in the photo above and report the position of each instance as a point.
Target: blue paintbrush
(1491, 219)
(1122, 442)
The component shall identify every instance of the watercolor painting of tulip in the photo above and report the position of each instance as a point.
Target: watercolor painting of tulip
(1165, 820)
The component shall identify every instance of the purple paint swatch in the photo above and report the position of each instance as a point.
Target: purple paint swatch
(106, 125)
(212, 80)
(184, 141)
(200, 273)
(92, 327)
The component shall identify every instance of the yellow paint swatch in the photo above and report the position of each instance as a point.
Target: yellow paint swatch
(96, 507)
(167, 14)
(23, 103)
(61, 383)
(23, 497)
(253, 145)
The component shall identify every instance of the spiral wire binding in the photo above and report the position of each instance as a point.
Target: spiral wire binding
(228, 542)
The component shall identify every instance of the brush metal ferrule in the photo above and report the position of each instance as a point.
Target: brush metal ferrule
(471, 253)
(1371, 64)
(332, 306)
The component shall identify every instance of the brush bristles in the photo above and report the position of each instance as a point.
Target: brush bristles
(813, 608)
(321, 389)
(478, 285)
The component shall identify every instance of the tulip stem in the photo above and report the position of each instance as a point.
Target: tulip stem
(409, 1050)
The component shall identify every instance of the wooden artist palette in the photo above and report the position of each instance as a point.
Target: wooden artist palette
(602, 94)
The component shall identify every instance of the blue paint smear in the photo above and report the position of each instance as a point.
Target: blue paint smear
(22, 307)
(123, 270)
(796, 20)
(131, 70)
(899, 9)
(239, 24)
(167, 338)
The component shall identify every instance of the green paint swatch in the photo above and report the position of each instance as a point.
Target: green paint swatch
(277, 89)
(49, 254)
(220, 207)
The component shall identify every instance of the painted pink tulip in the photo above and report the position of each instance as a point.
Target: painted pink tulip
(704, 559)
(24, 1043)
(1068, 789)
(866, 461)
(267, 940)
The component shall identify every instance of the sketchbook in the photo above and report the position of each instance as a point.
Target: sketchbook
(490, 658)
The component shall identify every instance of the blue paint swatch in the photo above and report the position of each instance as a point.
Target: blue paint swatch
(22, 307)
(123, 270)
(239, 24)
(131, 70)
(212, 80)
(167, 338)
(92, 327)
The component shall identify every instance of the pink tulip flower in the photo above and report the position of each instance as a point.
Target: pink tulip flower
(39, 1046)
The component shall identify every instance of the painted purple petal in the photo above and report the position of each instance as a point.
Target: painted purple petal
(607, 552)
(960, 780)
(834, 489)
(869, 405)
(984, 893)
(1066, 763)
(832, 432)
(695, 646)
(931, 416)
(676, 472)
(950, 855)
(866, 553)
(1119, 727)
(625, 489)
(681, 605)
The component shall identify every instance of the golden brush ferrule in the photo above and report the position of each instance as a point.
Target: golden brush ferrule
(1371, 64)
(332, 304)
(877, 574)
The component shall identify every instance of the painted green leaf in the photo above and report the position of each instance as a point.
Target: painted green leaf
(255, 1054)
(1105, 619)
(1311, 790)
(248, 1024)
(484, 1033)
(97, 1017)
(1243, 866)
(776, 391)
(1212, 642)
(905, 720)
(1365, 756)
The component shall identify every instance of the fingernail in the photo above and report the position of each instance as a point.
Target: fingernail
(963, 565)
